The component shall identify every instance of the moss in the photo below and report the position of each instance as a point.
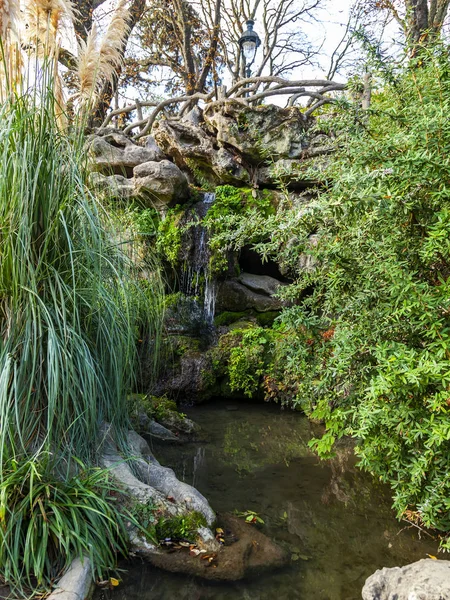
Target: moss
(180, 526)
(153, 406)
(228, 317)
(145, 517)
(266, 319)
(182, 344)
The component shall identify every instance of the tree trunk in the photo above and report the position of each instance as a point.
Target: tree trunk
(417, 20)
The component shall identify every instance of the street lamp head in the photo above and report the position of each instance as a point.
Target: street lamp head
(249, 42)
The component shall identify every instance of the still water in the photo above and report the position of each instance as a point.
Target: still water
(335, 520)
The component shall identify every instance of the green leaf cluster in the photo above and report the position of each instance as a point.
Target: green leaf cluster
(366, 345)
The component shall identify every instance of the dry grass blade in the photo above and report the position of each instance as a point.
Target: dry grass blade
(88, 60)
(110, 52)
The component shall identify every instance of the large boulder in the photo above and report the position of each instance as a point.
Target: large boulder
(193, 149)
(261, 284)
(425, 579)
(160, 183)
(260, 133)
(184, 142)
(114, 152)
(236, 297)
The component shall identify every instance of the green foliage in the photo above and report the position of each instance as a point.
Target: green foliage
(228, 317)
(143, 517)
(367, 349)
(153, 406)
(72, 306)
(46, 522)
(168, 241)
(231, 206)
(250, 516)
(180, 527)
(70, 314)
(134, 218)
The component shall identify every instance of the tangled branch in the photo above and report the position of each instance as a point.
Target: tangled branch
(245, 91)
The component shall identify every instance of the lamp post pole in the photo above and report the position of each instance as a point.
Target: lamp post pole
(249, 43)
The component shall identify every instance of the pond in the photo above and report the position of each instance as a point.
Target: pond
(335, 520)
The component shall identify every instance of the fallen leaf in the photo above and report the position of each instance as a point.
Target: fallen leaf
(432, 557)
(113, 581)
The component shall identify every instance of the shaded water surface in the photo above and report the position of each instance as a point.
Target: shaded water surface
(335, 520)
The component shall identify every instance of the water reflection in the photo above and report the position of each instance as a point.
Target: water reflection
(335, 521)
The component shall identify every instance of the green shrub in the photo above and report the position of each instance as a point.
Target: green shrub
(47, 522)
(168, 241)
(367, 349)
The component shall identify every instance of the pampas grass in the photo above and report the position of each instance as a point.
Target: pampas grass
(99, 60)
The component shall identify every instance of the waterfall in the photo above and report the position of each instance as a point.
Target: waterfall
(209, 197)
(196, 281)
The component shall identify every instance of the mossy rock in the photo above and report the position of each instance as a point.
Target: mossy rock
(267, 319)
(227, 318)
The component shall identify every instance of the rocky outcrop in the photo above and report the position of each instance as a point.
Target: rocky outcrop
(160, 183)
(425, 579)
(249, 553)
(188, 379)
(192, 149)
(234, 296)
(125, 171)
(261, 284)
(116, 153)
(259, 133)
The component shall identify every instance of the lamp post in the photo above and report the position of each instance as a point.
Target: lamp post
(249, 42)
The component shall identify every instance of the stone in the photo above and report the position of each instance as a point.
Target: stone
(163, 480)
(228, 168)
(184, 142)
(114, 152)
(261, 284)
(160, 183)
(114, 186)
(259, 133)
(193, 149)
(76, 583)
(174, 421)
(234, 296)
(158, 431)
(189, 378)
(194, 116)
(426, 579)
(252, 554)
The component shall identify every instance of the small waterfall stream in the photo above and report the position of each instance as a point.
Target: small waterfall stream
(196, 281)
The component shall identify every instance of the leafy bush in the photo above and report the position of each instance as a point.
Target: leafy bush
(169, 236)
(46, 522)
(367, 349)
